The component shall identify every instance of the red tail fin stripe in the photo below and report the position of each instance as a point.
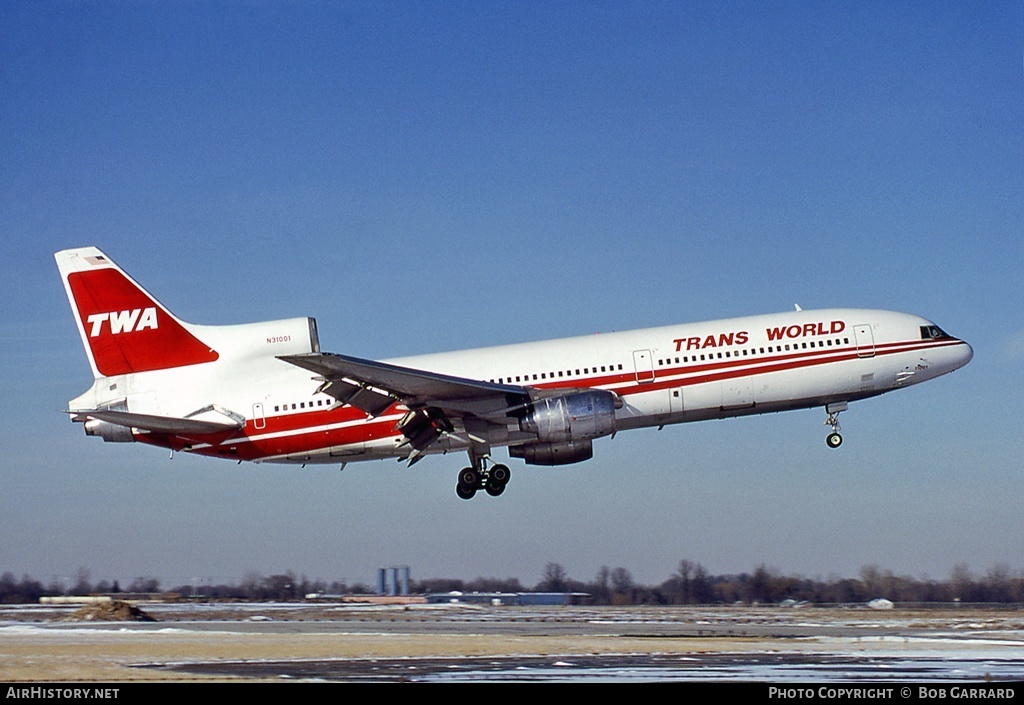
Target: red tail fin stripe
(126, 330)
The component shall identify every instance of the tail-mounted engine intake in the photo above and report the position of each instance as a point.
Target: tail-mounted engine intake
(109, 432)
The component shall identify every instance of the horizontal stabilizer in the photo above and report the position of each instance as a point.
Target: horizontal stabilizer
(157, 424)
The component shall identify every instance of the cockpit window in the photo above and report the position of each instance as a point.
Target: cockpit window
(932, 332)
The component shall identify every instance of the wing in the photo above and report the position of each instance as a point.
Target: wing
(374, 386)
(435, 401)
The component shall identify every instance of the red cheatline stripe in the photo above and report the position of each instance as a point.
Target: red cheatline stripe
(346, 424)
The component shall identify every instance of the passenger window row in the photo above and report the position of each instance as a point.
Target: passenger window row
(560, 374)
(753, 352)
(303, 405)
(677, 360)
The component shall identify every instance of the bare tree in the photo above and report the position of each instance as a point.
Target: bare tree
(555, 578)
(601, 588)
(144, 584)
(962, 582)
(759, 585)
(700, 586)
(622, 580)
(82, 585)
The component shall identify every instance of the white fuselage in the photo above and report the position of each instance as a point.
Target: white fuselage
(663, 375)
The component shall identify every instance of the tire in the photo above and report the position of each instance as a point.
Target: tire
(834, 440)
(469, 478)
(500, 475)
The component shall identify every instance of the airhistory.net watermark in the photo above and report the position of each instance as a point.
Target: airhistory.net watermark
(51, 693)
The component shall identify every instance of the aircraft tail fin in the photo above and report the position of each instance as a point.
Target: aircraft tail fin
(123, 328)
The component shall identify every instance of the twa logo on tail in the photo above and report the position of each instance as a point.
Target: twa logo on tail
(123, 321)
(109, 306)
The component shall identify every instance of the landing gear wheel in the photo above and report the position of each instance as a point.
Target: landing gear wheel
(469, 477)
(834, 440)
(469, 483)
(479, 477)
(499, 475)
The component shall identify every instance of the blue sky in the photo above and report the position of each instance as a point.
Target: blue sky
(427, 176)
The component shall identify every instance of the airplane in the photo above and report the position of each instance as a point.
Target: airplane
(265, 392)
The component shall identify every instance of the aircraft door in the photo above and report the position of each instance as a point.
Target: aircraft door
(643, 361)
(675, 400)
(865, 340)
(259, 420)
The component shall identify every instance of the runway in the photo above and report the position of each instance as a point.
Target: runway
(484, 643)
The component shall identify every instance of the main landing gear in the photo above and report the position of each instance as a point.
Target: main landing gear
(834, 440)
(479, 477)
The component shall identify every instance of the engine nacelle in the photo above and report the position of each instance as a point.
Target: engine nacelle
(554, 453)
(109, 432)
(573, 417)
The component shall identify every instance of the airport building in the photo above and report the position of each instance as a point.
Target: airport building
(510, 598)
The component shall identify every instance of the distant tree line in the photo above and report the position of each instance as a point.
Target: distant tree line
(284, 586)
(691, 584)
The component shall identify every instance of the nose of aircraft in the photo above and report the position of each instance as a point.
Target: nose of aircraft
(966, 352)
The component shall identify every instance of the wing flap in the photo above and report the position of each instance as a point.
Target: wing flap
(369, 400)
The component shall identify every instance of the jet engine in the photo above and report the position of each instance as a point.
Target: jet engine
(571, 417)
(109, 432)
(565, 427)
(554, 453)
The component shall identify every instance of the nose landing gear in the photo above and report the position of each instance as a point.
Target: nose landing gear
(834, 440)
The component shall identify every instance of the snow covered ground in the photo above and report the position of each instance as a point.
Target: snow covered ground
(463, 642)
